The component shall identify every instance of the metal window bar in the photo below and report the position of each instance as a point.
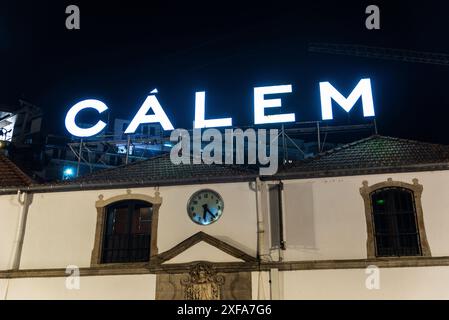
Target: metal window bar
(129, 246)
(395, 225)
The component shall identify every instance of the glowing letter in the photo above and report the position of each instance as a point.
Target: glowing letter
(363, 89)
(71, 115)
(200, 102)
(260, 104)
(141, 117)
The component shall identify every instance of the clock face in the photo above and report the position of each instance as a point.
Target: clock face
(205, 207)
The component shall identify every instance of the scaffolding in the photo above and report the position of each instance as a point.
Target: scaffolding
(137, 147)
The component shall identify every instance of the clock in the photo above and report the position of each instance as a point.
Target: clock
(205, 207)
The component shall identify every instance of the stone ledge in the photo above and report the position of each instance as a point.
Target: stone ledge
(227, 267)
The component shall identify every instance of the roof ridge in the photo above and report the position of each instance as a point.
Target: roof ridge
(120, 166)
(165, 155)
(374, 136)
(414, 141)
(235, 170)
(340, 148)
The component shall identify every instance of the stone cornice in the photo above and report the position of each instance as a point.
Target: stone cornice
(146, 268)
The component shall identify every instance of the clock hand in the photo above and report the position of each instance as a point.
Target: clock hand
(205, 209)
(213, 215)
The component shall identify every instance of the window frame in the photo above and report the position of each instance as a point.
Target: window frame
(102, 209)
(416, 189)
(129, 206)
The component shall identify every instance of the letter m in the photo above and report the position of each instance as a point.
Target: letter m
(328, 92)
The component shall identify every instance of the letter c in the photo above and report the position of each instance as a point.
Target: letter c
(71, 125)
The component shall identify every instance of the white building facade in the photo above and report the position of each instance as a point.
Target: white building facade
(369, 220)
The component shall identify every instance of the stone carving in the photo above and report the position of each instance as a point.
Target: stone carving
(202, 283)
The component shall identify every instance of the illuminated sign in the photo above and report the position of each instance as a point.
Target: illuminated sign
(363, 89)
(150, 103)
(261, 102)
(74, 129)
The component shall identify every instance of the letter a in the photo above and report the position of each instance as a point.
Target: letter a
(373, 20)
(73, 20)
(141, 117)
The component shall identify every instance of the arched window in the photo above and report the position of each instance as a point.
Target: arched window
(394, 219)
(127, 232)
(395, 224)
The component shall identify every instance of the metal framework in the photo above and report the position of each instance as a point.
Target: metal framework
(320, 129)
(441, 59)
(108, 146)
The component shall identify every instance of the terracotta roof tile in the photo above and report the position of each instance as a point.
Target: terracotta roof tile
(159, 169)
(376, 154)
(11, 175)
(373, 153)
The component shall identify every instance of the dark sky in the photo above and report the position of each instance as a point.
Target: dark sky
(125, 49)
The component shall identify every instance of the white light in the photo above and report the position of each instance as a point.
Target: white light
(363, 89)
(200, 106)
(68, 173)
(141, 117)
(71, 125)
(260, 104)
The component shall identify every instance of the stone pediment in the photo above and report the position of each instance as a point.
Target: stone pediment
(203, 247)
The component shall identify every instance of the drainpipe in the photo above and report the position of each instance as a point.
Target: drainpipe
(261, 252)
(20, 234)
(282, 209)
(275, 276)
(275, 292)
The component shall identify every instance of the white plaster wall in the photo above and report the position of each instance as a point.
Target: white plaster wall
(98, 287)
(61, 225)
(394, 283)
(325, 218)
(9, 219)
(237, 226)
(60, 230)
(260, 285)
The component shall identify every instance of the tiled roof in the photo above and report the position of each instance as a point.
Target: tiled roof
(11, 175)
(373, 155)
(376, 154)
(160, 170)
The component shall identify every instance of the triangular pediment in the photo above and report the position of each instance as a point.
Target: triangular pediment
(203, 247)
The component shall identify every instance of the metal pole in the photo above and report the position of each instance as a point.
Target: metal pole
(280, 187)
(127, 149)
(79, 158)
(284, 146)
(318, 135)
(375, 127)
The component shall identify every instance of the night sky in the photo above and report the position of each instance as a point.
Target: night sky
(125, 49)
